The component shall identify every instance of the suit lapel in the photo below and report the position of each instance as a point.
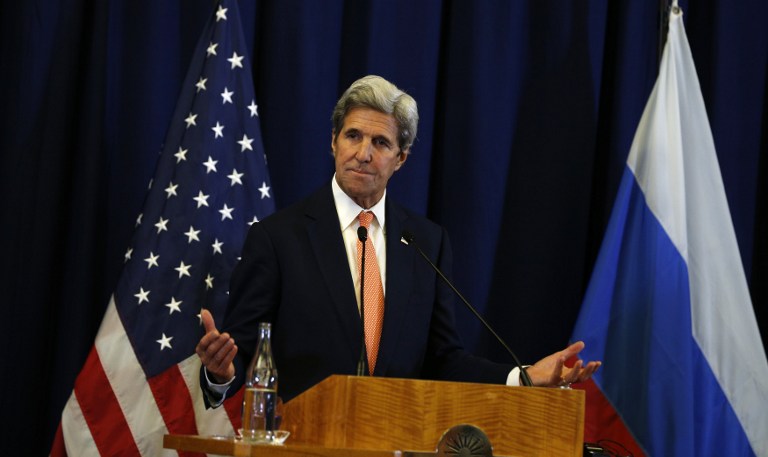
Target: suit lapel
(399, 279)
(328, 248)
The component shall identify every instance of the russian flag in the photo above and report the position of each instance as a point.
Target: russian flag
(667, 309)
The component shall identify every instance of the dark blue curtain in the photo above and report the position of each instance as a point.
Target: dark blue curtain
(528, 109)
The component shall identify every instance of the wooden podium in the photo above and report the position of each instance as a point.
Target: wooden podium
(370, 416)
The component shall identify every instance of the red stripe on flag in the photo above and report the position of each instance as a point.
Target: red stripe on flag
(175, 403)
(58, 449)
(234, 408)
(102, 411)
(602, 422)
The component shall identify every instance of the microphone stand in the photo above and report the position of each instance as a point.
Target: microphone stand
(407, 238)
(362, 235)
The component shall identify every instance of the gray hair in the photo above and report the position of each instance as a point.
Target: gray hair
(381, 95)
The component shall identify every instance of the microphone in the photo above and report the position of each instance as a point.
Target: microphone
(407, 238)
(362, 235)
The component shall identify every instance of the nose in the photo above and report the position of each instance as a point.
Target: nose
(364, 151)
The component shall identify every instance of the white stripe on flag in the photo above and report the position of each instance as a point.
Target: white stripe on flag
(209, 421)
(77, 435)
(129, 384)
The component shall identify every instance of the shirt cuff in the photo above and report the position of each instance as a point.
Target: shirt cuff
(219, 389)
(513, 378)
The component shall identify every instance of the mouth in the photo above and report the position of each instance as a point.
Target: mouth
(360, 172)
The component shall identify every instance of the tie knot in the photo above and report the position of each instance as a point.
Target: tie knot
(365, 218)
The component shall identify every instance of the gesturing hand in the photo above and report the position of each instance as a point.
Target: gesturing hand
(551, 370)
(216, 350)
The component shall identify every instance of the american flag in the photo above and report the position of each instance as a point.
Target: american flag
(140, 380)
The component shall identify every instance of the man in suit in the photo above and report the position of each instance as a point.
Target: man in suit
(299, 271)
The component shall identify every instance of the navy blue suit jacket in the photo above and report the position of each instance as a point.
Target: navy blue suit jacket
(294, 273)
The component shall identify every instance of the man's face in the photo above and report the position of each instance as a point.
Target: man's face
(366, 154)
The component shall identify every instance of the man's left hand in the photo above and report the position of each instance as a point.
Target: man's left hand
(552, 372)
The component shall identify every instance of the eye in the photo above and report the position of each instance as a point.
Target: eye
(352, 134)
(382, 142)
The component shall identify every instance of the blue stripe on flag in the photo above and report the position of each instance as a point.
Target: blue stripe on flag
(636, 317)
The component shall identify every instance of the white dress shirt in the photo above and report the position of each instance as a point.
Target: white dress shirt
(348, 212)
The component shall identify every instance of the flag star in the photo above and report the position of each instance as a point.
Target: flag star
(181, 155)
(174, 305)
(264, 189)
(192, 235)
(253, 108)
(171, 190)
(235, 60)
(218, 130)
(152, 260)
(210, 165)
(165, 342)
(138, 219)
(128, 254)
(201, 84)
(245, 143)
(201, 199)
(209, 281)
(211, 51)
(226, 212)
(217, 246)
(143, 295)
(235, 177)
(190, 120)
(226, 96)
(162, 225)
(253, 221)
(183, 269)
(221, 14)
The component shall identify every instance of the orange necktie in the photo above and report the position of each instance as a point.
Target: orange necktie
(373, 293)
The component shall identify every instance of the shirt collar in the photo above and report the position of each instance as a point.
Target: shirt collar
(348, 210)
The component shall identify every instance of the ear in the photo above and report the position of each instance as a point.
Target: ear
(333, 142)
(401, 158)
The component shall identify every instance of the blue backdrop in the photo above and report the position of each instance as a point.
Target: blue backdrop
(528, 110)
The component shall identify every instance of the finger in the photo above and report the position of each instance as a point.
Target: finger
(557, 372)
(223, 358)
(592, 368)
(208, 321)
(212, 338)
(210, 345)
(215, 352)
(229, 356)
(572, 376)
(572, 350)
(588, 371)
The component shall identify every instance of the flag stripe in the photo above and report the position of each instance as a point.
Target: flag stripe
(129, 383)
(57, 448)
(97, 402)
(75, 432)
(173, 400)
(233, 407)
(600, 411)
(211, 421)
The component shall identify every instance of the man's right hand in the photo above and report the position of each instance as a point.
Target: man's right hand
(216, 351)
